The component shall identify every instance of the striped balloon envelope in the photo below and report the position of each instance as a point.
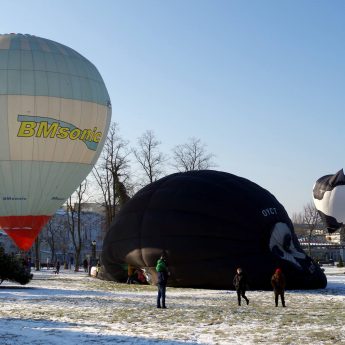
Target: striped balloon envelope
(55, 112)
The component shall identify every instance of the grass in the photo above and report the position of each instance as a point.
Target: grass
(206, 316)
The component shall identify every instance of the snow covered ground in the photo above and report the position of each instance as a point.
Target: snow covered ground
(72, 308)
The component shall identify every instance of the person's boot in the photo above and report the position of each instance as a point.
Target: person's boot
(247, 300)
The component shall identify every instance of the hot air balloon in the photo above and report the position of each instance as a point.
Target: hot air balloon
(208, 223)
(329, 200)
(55, 113)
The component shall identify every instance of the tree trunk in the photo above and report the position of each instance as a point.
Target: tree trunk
(37, 254)
(77, 259)
(309, 245)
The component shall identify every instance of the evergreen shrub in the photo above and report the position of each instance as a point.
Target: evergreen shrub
(13, 269)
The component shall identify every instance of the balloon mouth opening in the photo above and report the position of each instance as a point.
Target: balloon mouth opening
(23, 230)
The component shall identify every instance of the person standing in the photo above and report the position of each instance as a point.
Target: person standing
(278, 283)
(57, 268)
(240, 283)
(162, 280)
(85, 265)
(130, 274)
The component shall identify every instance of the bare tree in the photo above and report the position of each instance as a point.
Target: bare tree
(55, 235)
(49, 235)
(149, 157)
(312, 219)
(192, 156)
(297, 218)
(37, 253)
(111, 172)
(298, 223)
(74, 203)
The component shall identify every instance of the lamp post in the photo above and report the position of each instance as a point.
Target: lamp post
(92, 261)
(93, 253)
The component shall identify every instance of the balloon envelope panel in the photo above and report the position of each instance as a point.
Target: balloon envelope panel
(209, 223)
(329, 199)
(55, 113)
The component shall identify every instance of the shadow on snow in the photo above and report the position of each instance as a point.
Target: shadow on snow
(332, 288)
(34, 292)
(28, 331)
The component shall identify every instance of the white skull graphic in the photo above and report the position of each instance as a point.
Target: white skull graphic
(282, 245)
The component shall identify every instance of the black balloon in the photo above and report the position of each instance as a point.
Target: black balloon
(209, 223)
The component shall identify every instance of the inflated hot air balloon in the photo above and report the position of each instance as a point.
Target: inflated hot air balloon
(329, 200)
(208, 223)
(54, 117)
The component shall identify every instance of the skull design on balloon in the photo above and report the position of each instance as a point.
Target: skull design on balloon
(283, 245)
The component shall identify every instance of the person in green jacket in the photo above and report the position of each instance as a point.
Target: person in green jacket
(162, 279)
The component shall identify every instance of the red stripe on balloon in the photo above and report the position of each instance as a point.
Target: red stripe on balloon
(23, 229)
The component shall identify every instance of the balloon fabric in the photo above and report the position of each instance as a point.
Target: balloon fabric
(329, 200)
(208, 223)
(55, 112)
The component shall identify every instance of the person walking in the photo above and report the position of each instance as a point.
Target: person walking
(162, 280)
(240, 283)
(278, 283)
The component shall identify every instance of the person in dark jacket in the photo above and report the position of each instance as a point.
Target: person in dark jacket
(240, 283)
(162, 279)
(130, 274)
(85, 265)
(278, 283)
(57, 268)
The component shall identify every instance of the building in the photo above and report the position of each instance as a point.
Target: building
(56, 242)
(324, 246)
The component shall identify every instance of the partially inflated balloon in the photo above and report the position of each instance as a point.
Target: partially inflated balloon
(208, 223)
(54, 113)
(329, 200)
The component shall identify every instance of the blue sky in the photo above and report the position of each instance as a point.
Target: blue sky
(260, 82)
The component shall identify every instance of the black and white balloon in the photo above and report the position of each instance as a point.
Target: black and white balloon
(329, 200)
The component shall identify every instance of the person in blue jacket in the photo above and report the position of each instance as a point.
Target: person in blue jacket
(162, 279)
